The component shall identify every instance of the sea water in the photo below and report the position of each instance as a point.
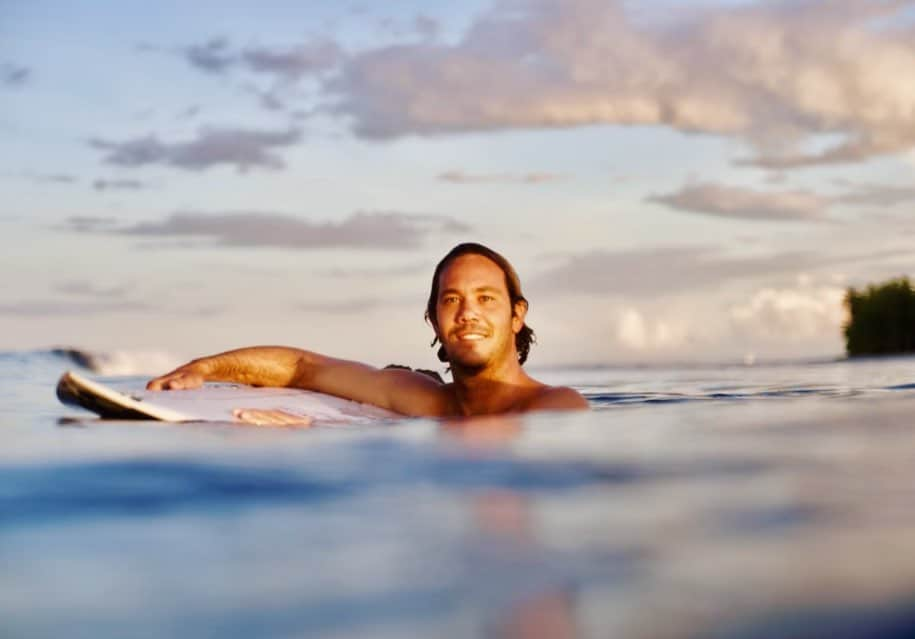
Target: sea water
(729, 501)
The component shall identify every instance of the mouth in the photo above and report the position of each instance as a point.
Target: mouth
(470, 336)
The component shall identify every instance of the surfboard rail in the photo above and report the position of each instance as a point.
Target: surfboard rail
(218, 402)
(75, 390)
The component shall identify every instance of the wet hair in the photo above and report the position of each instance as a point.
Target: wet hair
(424, 371)
(523, 338)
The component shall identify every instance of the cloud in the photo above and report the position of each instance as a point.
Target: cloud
(659, 271)
(291, 64)
(878, 195)
(426, 27)
(190, 112)
(84, 288)
(119, 185)
(783, 76)
(88, 224)
(14, 76)
(460, 177)
(378, 230)
(378, 272)
(746, 204)
(55, 308)
(211, 57)
(51, 178)
(242, 148)
(354, 305)
(795, 313)
(270, 101)
(634, 331)
(217, 56)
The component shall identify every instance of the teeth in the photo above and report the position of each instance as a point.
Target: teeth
(471, 336)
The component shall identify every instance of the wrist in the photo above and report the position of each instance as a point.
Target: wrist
(200, 367)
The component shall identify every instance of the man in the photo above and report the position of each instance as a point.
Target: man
(477, 310)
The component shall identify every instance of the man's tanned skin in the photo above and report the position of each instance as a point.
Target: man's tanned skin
(474, 319)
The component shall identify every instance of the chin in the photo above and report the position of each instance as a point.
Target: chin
(467, 359)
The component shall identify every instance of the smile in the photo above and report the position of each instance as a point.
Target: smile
(471, 337)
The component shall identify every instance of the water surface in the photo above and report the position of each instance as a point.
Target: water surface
(691, 502)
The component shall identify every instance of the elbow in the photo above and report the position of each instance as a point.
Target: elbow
(303, 371)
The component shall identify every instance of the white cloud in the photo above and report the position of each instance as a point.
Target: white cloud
(779, 75)
(242, 148)
(386, 230)
(56, 308)
(85, 288)
(796, 313)
(747, 204)
(660, 271)
(636, 332)
(878, 195)
(462, 177)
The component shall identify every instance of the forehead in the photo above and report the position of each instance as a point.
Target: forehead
(472, 271)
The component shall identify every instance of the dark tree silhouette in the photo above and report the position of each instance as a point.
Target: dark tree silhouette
(881, 319)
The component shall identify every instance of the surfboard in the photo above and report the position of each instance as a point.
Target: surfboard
(213, 402)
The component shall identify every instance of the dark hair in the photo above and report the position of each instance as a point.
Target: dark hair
(523, 338)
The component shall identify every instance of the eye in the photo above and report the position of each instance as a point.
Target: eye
(487, 298)
(449, 299)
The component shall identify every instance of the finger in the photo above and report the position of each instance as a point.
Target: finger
(284, 417)
(183, 381)
(166, 382)
(261, 418)
(270, 417)
(252, 416)
(247, 416)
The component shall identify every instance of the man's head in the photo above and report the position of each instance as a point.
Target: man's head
(473, 287)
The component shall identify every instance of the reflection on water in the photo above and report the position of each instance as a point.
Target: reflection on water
(782, 515)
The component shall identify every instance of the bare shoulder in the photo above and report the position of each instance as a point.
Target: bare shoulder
(416, 393)
(558, 398)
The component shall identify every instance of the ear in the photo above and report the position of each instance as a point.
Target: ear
(519, 312)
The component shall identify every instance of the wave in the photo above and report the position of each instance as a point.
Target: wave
(605, 399)
(119, 362)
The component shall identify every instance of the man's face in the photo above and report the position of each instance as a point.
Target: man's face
(475, 319)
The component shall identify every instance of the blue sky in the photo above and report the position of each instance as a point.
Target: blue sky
(673, 180)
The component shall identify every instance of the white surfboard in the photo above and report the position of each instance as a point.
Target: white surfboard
(213, 402)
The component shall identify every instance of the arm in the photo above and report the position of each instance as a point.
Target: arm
(558, 398)
(401, 391)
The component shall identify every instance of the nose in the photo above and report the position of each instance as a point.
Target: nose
(467, 312)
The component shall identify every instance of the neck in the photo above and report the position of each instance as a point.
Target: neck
(492, 389)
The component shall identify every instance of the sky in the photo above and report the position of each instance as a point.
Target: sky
(674, 180)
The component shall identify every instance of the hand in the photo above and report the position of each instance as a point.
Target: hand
(263, 417)
(176, 380)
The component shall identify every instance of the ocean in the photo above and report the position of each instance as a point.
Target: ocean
(743, 501)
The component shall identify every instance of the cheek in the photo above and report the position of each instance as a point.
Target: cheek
(440, 323)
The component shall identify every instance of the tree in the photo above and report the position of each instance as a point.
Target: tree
(881, 319)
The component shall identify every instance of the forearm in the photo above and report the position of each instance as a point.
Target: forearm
(255, 366)
(401, 391)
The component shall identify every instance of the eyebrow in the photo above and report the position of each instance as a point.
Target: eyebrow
(479, 289)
